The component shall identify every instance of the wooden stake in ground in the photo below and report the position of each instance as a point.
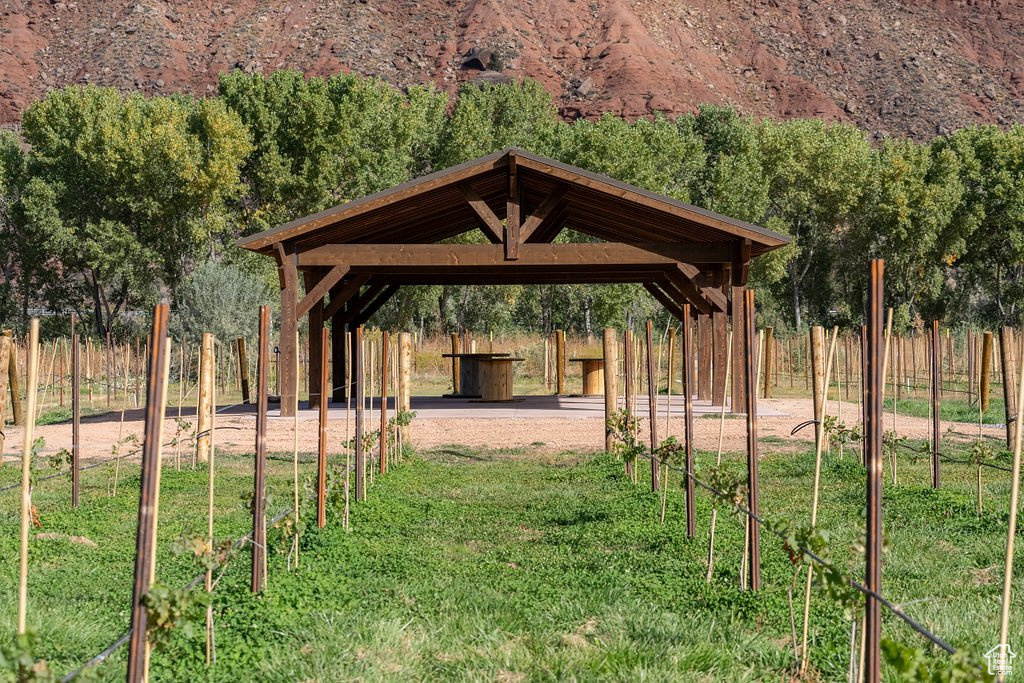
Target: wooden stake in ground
(149, 497)
(1008, 356)
(382, 457)
(258, 575)
(1004, 613)
(718, 461)
(295, 466)
(627, 359)
(5, 354)
(76, 418)
(560, 361)
(32, 359)
(818, 447)
(985, 375)
(691, 514)
(652, 406)
(321, 451)
(611, 368)
(203, 409)
(211, 655)
(243, 369)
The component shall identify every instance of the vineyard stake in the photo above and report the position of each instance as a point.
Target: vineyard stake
(985, 372)
(750, 394)
(385, 351)
(32, 379)
(627, 358)
(243, 369)
(560, 361)
(361, 409)
(611, 368)
(1006, 353)
(295, 459)
(691, 515)
(259, 516)
(652, 407)
(819, 444)
(936, 373)
(321, 451)
(203, 406)
(873, 451)
(1004, 614)
(149, 498)
(718, 459)
(76, 418)
(6, 342)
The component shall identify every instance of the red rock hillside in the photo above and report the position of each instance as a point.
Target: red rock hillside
(916, 68)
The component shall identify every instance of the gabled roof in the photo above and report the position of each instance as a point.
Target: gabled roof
(435, 207)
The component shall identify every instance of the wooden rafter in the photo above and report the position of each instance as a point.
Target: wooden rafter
(546, 209)
(665, 300)
(489, 223)
(346, 292)
(317, 292)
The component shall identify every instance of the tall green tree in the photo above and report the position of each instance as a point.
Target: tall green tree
(814, 174)
(490, 117)
(320, 142)
(988, 242)
(908, 206)
(126, 193)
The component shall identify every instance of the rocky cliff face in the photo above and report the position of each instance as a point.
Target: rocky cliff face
(893, 67)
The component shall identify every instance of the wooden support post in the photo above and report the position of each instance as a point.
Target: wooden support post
(873, 456)
(704, 357)
(627, 361)
(560, 361)
(720, 334)
(769, 356)
(288, 381)
(259, 499)
(691, 524)
(149, 497)
(818, 372)
(321, 451)
(12, 380)
(652, 408)
(985, 372)
(204, 408)
(750, 395)
(385, 351)
(243, 369)
(315, 343)
(739, 349)
(5, 358)
(609, 348)
(936, 387)
(1007, 351)
(456, 366)
(358, 372)
(76, 419)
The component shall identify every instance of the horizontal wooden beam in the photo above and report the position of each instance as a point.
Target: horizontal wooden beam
(410, 257)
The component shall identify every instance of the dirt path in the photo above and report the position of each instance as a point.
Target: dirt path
(236, 430)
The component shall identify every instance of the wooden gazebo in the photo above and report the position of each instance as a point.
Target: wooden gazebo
(354, 257)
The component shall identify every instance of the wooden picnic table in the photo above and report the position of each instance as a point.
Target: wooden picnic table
(593, 375)
(469, 372)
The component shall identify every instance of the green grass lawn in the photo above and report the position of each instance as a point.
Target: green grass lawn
(507, 565)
